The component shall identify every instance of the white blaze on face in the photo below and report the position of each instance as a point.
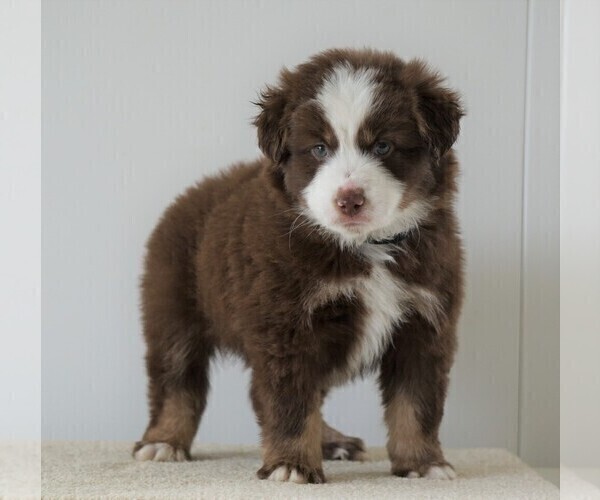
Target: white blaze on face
(347, 97)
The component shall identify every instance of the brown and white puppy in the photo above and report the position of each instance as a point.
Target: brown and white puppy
(334, 255)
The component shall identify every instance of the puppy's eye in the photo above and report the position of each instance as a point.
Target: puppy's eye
(320, 151)
(382, 148)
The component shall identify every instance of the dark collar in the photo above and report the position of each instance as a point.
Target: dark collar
(394, 240)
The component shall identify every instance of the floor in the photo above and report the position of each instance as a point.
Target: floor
(591, 475)
(552, 474)
(106, 469)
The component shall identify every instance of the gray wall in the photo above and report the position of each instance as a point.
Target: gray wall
(141, 98)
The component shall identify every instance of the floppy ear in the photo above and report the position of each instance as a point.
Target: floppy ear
(272, 131)
(438, 108)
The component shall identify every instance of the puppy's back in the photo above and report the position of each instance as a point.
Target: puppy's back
(175, 241)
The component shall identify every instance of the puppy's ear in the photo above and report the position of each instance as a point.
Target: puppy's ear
(438, 108)
(272, 130)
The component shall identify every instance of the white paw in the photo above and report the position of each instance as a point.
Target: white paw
(160, 452)
(340, 454)
(283, 473)
(435, 472)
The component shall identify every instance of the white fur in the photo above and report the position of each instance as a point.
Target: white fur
(279, 474)
(325, 292)
(428, 305)
(435, 472)
(296, 477)
(404, 220)
(440, 472)
(387, 299)
(346, 98)
(159, 452)
(283, 474)
(340, 454)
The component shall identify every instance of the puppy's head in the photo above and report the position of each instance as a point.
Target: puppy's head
(356, 137)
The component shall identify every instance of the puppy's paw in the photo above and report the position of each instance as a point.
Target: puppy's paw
(159, 452)
(428, 471)
(347, 449)
(293, 473)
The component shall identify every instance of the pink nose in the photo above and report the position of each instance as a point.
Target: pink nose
(350, 201)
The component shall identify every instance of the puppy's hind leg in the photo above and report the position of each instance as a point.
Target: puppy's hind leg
(338, 446)
(177, 396)
(178, 387)
(179, 348)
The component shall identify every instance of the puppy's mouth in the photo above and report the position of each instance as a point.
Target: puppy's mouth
(355, 223)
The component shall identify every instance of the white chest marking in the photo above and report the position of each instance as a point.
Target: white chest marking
(386, 300)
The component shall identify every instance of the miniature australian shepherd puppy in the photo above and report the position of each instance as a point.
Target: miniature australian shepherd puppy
(335, 255)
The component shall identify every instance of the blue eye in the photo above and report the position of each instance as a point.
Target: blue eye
(320, 151)
(382, 148)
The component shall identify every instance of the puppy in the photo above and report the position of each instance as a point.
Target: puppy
(335, 255)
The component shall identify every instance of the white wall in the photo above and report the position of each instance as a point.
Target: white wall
(141, 98)
(20, 221)
(580, 235)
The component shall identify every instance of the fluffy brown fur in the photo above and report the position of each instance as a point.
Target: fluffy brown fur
(230, 268)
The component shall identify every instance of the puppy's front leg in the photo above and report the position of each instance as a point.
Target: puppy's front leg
(413, 380)
(287, 403)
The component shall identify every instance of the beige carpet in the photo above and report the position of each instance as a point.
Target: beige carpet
(106, 470)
